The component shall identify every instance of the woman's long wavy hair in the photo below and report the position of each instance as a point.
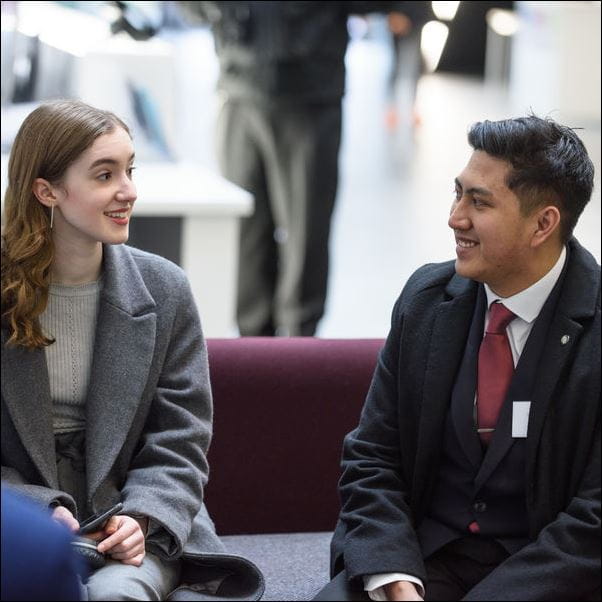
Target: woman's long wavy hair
(50, 139)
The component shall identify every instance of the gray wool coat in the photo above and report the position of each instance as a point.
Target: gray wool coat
(148, 416)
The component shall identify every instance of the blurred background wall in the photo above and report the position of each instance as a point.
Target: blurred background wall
(402, 145)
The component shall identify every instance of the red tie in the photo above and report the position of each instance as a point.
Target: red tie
(495, 370)
(495, 373)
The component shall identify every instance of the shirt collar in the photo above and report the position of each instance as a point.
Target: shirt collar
(528, 303)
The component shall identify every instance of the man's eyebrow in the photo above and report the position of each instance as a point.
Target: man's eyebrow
(109, 161)
(474, 189)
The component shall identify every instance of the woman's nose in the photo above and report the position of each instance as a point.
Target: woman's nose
(127, 192)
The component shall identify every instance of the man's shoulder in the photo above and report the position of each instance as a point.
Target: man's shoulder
(581, 285)
(583, 267)
(431, 275)
(428, 286)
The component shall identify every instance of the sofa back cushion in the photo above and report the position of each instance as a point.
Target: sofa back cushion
(282, 408)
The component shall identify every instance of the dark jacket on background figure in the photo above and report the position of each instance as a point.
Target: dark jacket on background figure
(271, 51)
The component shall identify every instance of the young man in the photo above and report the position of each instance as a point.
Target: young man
(474, 472)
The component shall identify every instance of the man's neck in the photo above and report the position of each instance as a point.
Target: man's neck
(544, 261)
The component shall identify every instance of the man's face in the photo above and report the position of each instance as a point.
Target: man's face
(493, 238)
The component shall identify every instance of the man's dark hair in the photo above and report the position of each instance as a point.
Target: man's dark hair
(549, 164)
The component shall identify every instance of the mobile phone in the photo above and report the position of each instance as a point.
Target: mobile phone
(97, 521)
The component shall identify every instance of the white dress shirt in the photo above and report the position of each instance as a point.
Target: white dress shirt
(526, 305)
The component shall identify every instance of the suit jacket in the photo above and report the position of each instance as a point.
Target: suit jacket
(38, 561)
(391, 459)
(148, 409)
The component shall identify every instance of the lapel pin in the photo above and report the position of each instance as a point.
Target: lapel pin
(564, 339)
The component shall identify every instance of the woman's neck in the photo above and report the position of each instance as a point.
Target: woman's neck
(74, 266)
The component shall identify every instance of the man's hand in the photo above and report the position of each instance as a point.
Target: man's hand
(401, 590)
(64, 516)
(122, 538)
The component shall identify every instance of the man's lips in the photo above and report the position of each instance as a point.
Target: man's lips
(466, 243)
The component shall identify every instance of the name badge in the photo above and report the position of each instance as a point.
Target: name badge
(520, 418)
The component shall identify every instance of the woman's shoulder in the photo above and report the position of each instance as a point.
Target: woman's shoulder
(134, 269)
(151, 265)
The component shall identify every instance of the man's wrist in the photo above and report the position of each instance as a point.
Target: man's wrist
(397, 587)
(143, 522)
(374, 584)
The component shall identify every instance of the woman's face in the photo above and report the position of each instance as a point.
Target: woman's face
(95, 198)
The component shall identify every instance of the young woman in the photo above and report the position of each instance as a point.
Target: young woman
(105, 384)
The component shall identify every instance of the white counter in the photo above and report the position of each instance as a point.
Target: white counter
(210, 207)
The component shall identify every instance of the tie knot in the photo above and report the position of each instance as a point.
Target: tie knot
(499, 318)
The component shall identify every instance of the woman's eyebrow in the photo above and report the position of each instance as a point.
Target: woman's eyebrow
(109, 161)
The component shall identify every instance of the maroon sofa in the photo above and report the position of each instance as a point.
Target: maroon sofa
(282, 409)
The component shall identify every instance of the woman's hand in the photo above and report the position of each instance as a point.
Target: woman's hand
(64, 516)
(122, 538)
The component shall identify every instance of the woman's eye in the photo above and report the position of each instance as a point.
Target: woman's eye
(104, 176)
(130, 171)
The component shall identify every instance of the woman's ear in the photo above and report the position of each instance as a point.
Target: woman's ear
(44, 192)
(548, 222)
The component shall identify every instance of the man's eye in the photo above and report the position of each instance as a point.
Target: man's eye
(478, 202)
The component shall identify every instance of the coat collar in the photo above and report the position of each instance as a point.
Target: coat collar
(26, 393)
(123, 285)
(452, 321)
(123, 353)
(580, 298)
(578, 302)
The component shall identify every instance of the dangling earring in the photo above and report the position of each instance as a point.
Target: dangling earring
(51, 216)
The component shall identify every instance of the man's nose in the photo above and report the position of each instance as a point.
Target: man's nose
(458, 219)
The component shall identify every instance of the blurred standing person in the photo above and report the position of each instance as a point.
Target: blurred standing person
(407, 65)
(282, 78)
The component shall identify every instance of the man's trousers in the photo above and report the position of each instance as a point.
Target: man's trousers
(286, 155)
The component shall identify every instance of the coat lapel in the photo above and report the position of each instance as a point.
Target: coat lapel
(462, 408)
(448, 339)
(27, 397)
(553, 364)
(521, 389)
(123, 353)
(502, 439)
